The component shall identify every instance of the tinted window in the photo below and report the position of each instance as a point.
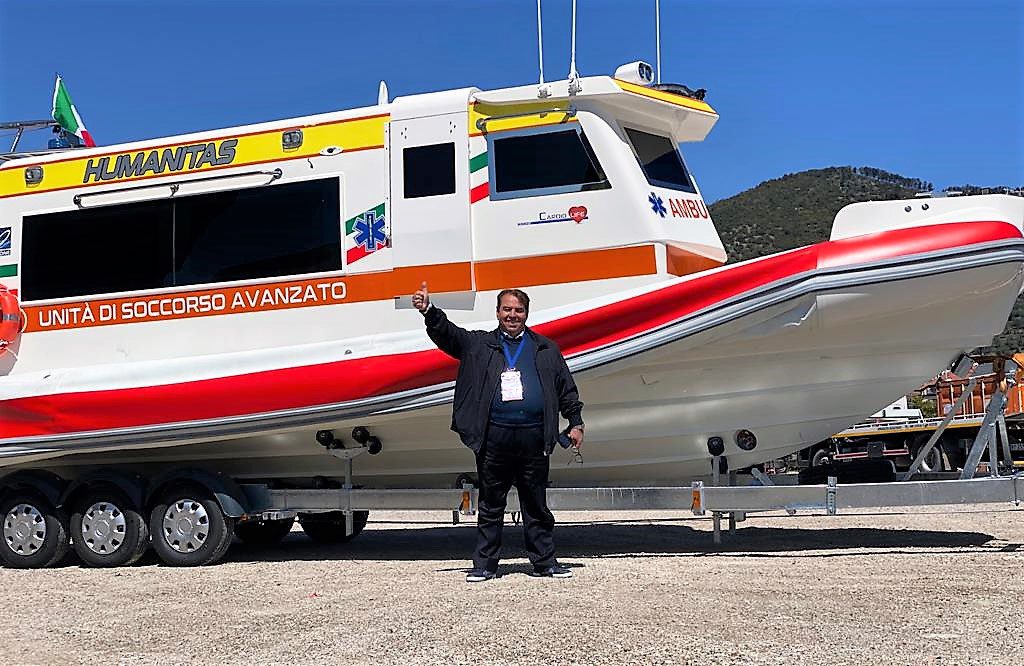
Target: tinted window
(246, 234)
(266, 232)
(429, 170)
(114, 248)
(660, 160)
(562, 160)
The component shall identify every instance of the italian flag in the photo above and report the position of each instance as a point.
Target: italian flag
(66, 115)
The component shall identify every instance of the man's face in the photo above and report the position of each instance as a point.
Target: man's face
(511, 315)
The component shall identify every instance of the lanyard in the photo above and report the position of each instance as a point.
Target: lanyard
(519, 350)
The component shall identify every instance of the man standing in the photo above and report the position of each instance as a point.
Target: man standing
(512, 384)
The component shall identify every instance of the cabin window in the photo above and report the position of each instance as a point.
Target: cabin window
(429, 170)
(97, 251)
(256, 233)
(287, 229)
(547, 161)
(660, 160)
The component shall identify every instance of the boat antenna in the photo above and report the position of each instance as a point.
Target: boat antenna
(574, 77)
(543, 90)
(657, 37)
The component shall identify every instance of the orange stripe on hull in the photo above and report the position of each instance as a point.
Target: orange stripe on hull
(568, 267)
(338, 289)
(325, 290)
(681, 262)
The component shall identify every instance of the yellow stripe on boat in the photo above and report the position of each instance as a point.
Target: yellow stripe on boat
(662, 96)
(80, 170)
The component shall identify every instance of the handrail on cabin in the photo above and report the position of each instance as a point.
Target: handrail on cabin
(274, 175)
(570, 112)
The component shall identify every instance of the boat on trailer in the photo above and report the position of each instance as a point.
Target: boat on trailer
(238, 300)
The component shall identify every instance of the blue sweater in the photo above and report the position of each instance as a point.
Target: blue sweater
(530, 410)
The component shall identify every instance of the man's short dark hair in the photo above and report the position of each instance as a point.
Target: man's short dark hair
(518, 293)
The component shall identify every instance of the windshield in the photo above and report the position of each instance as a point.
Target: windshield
(660, 160)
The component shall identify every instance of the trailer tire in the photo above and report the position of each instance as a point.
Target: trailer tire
(821, 457)
(107, 530)
(329, 528)
(189, 528)
(263, 532)
(935, 461)
(34, 533)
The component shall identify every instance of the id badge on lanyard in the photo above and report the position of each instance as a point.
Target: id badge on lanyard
(512, 379)
(511, 386)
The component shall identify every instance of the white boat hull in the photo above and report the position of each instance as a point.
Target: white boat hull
(794, 363)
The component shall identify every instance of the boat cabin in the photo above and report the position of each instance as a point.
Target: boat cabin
(317, 229)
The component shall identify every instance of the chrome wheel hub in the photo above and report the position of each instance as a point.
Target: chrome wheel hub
(186, 525)
(24, 529)
(103, 528)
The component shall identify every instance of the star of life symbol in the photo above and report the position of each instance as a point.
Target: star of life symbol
(370, 231)
(657, 204)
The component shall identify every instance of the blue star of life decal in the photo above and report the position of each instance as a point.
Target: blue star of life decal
(370, 231)
(657, 204)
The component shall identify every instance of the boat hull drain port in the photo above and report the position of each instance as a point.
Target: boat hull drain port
(716, 446)
(362, 436)
(745, 440)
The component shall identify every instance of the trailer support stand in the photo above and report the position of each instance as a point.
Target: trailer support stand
(927, 448)
(347, 454)
(1005, 439)
(716, 516)
(734, 516)
(986, 433)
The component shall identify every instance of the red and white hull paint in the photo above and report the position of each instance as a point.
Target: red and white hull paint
(794, 347)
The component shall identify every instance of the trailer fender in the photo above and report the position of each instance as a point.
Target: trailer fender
(47, 484)
(227, 492)
(132, 485)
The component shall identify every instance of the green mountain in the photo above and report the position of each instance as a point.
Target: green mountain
(798, 210)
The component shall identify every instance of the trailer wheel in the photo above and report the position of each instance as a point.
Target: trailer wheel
(329, 528)
(821, 457)
(35, 534)
(189, 528)
(264, 532)
(934, 461)
(107, 530)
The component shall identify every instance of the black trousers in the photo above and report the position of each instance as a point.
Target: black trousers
(513, 456)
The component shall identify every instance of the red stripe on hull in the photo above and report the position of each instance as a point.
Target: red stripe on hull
(344, 381)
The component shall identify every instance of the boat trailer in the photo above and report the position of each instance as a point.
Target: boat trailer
(721, 500)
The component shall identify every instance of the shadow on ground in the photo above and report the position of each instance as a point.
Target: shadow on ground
(598, 540)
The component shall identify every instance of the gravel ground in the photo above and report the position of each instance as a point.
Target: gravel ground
(880, 588)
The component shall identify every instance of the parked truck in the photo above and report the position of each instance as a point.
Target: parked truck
(898, 432)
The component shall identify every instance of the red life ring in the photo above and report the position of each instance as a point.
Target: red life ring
(10, 317)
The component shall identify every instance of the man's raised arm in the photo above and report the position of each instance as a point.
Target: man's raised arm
(448, 337)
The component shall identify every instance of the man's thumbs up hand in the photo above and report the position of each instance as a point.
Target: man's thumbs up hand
(421, 299)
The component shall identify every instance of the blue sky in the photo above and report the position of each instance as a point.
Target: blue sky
(928, 89)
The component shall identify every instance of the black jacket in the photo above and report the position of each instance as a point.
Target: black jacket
(481, 362)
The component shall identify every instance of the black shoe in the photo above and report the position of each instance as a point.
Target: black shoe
(480, 575)
(553, 571)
